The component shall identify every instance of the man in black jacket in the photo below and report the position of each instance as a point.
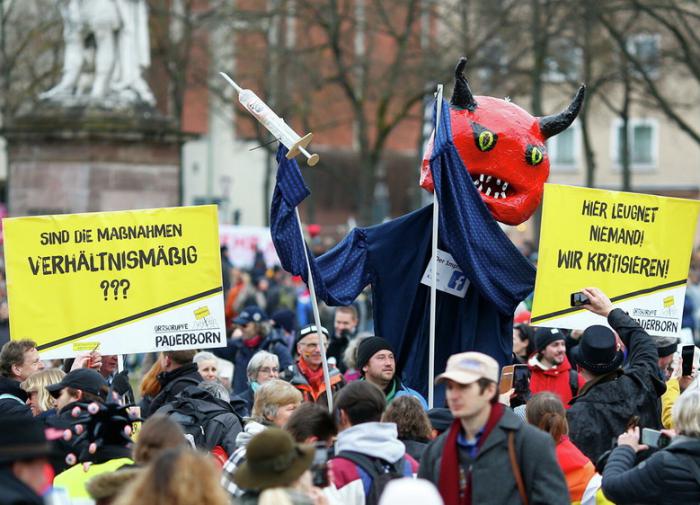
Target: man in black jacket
(18, 360)
(613, 395)
(178, 373)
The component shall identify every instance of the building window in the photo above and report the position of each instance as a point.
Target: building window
(645, 48)
(564, 149)
(642, 141)
(564, 63)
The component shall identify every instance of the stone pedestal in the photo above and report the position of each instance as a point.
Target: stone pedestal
(86, 159)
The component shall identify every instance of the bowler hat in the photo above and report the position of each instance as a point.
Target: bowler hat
(21, 439)
(273, 459)
(597, 350)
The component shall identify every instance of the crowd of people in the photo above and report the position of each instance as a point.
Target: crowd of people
(608, 416)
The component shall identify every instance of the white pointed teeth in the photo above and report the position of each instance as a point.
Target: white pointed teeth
(487, 186)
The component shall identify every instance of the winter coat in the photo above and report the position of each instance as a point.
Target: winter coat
(299, 381)
(244, 402)
(415, 448)
(670, 476)
(173, 383)
(400, 389)
(581, 478)
(16, 492)
(239, 354)
(605, 405)
(556, 379)
(13, 399)
(493, 481)
(377, 440)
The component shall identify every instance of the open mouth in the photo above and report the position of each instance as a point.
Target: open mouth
(492, 186)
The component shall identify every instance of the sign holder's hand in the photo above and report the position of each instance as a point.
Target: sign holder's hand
(598, 302)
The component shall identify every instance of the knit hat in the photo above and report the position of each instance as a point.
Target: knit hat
(597, 350)
(369, 347)
(665, 346)
(440, 418)
(545, 336)
(308, 330)
(285, 319)
(273, 459)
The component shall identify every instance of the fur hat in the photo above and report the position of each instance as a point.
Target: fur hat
(107, 485)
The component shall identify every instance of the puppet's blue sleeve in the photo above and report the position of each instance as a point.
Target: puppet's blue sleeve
(341, 273)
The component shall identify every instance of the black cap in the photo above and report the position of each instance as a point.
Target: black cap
(665, 346)
(22, 439)
(84, 379)
(440, 418)
(545, 336)
(369, 347)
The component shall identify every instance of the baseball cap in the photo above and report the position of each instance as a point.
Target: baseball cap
(84, 379)
(469, 367)
(251, 314)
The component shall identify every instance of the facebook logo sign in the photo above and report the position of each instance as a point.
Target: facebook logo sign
(457, 280)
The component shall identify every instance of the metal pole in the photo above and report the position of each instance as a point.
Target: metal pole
(317, 319)
(433, 283)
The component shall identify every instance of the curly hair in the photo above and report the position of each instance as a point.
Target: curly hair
(411, 420)
(176, 477)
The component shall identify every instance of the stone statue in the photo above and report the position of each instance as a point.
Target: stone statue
(107, 50)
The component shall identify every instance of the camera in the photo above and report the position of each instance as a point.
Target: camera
(319, 466)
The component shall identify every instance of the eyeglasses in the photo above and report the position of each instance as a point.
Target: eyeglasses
(314, 345)
(269, 370)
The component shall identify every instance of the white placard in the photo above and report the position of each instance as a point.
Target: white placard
(450, 279)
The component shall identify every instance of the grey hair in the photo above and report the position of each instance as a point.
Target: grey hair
(686, 414)
(216, 389)
(256, 363)
(204, 356)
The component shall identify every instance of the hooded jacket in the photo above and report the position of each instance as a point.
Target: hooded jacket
(556, 379)
(668, 477)
(377, 440)
(13, 399)
(605, 405)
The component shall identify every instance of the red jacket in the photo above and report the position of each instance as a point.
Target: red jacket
(556, 380)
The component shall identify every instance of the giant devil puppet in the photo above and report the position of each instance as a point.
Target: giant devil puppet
(487, 163)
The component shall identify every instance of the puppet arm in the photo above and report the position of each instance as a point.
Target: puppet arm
(341, 273)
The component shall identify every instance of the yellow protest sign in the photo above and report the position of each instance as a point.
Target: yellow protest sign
(634, 247)
(131, 281)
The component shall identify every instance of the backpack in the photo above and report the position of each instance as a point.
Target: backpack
(573, 382)
(376, 473)
(194, 416)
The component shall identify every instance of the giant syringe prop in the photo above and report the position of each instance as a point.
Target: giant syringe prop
(274, 123)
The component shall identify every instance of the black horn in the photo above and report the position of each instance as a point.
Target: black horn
(557, 123)
(462, 96)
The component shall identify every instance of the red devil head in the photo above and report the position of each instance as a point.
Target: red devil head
(503, 148)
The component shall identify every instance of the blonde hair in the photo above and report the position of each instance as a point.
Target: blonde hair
(176, 477)
(37, 382)
(271, 396)
(686, 414)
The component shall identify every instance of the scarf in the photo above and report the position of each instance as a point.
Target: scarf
(252, 343)
(314, 378)
(448, 483)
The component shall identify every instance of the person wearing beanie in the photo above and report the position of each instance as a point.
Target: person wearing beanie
(612, 394)
(307, 373)
(550, 369)
(376, 362)
(666, 347)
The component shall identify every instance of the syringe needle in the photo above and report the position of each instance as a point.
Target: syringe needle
(231, 82)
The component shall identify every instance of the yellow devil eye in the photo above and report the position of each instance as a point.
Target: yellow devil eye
(484, 139)
(534, 155)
